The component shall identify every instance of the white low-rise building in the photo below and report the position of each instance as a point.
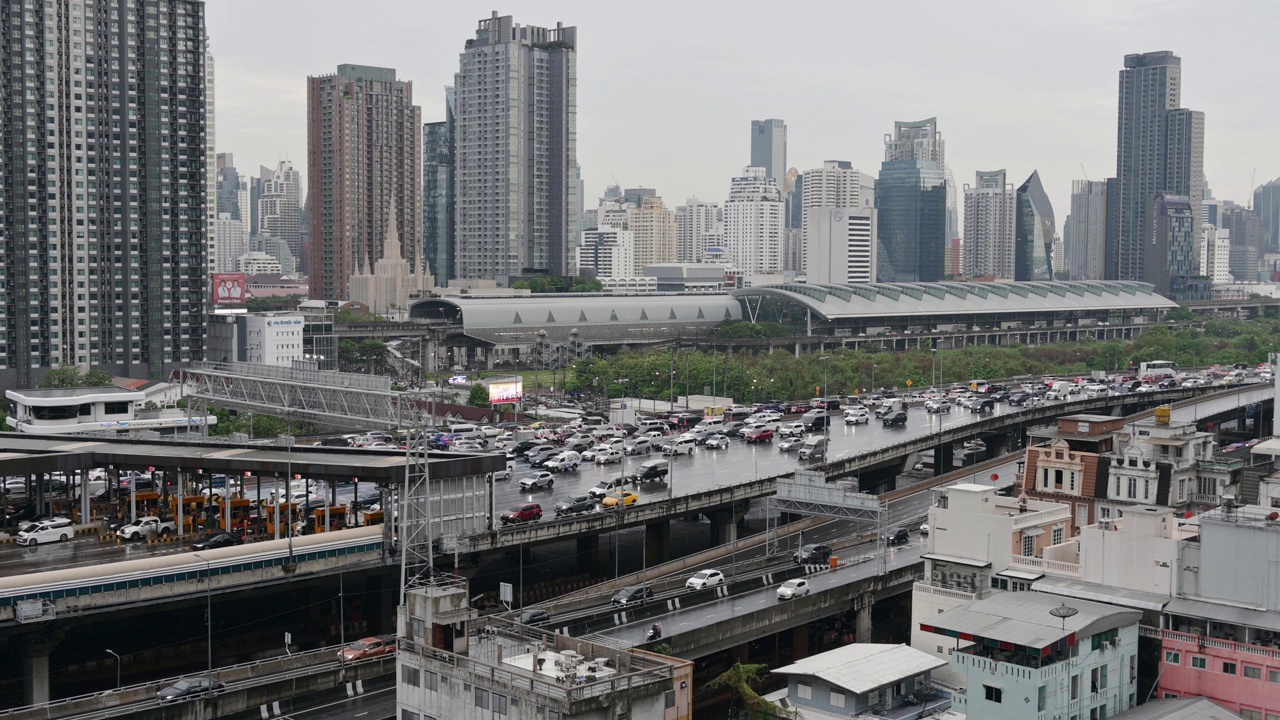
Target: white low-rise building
(61, 411)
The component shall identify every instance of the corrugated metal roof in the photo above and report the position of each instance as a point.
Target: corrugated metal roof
(1179, 709)
(1023, 618)
(1101, 593)
(952, 298)
(863, 667)
(1224, 613)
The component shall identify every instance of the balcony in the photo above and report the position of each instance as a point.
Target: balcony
(949, 591)
(1261, 653)
(1056, 567)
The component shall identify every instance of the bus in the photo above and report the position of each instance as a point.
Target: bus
(1158, 368)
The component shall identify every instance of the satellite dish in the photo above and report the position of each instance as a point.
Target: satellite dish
(1273, 516)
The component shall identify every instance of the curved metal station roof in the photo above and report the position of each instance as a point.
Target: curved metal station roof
(595, 317)
(961, 298)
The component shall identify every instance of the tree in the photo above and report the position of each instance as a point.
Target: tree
(479, 396)
(348, 353)
(739, 680)
(70, 376)
(373, 353)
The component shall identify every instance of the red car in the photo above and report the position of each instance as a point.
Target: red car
(759, 435)
(368, 647)
(528, 512)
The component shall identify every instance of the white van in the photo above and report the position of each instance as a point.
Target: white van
(1060, 390)
(711, 423)
(1096, 391)
(46, 531)
(567, 460)
(472, 433)
(814, 448)
(680, 446)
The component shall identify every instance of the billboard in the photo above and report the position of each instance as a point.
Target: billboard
(506, 390)
(228, 289)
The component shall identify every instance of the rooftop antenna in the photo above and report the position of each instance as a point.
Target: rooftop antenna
(1086, 172)
(1253, 177)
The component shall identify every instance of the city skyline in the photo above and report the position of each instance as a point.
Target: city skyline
(261, 109)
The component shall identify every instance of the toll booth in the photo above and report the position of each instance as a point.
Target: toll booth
(372, 517)
(337, 518)
(192, 512)
(287, 513)
(147, 503)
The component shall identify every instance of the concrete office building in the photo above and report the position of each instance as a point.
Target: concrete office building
(1159, 149)
(1215, 254)
(989, 210)
(1086, 227)
(280, 206)
(769, 148)
(695, 222)
(606, 253)
(911, 204)
(840, 245)
(89, 263)
(437, 193)
(653, 227)
(753, 223)
(364, 161)
(834, 185)
(1035, 233)
(515, 141)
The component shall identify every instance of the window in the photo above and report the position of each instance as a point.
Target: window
(1170, 696)
(410, 675)
(1057, 536)
(837, 699)
(1228, 668)
(482, 698)
(1199, 663)
(669, 699)
(992, 694)
(499, 704)
(1273, 676)
(1173, 657)
(431, 681)
(407, 714)
(1133, 488)
(115, 408)
(804, 691)
(1028, 546)
(1253, 673)
(1248, 714)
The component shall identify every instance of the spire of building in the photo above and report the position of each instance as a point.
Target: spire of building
(391, 243)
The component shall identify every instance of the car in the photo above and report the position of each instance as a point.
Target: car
(937, 406)
(368, 648)
(704, 579)
(188, 688)
(528, 512)
(791, 443)
(898, 536)
(1035, 401)
(812, 554)
(793, 429)
(609, 455)
(606, 486)
(144, 526)
(220, 540)
(632, 595)
(1019, 398)
(1146, 389)
(854, 416)
(759, 435)
(542, 480)
(924, 529)
(897, 418)
(982, 405)
(537, 457)
(590, 455)
(623, 499)
(794, 588)
(575, 505)
(534, 616)
(716, 442)
(507, 473)
(637, 446)
(57, 529)
(732, 428)
(564, 462)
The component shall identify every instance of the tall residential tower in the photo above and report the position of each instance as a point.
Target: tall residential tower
(989, 226)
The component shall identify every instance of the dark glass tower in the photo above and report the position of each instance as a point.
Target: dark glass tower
(1034, 232)
(437, 195)
(911, 202)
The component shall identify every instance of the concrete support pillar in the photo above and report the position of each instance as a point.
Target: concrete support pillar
(724, 526)
(943, 458)
(799, 643)
(1242, 424)
(35, 670)
(862, 617)
(657, 542)
(589, 555)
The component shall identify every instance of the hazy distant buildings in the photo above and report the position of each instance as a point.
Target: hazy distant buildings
(753, 223)
(653, 225)
(279, 208)
(1266, 203)
(769, 149)
(1035, 234)
(1086, 230)
(438, 193)
(989, 226)
(840, 245)
(911, 204)
(515, 132)
(364, 162)
(697, 222)
(232, 240)
(231, 225)
(1160, 149)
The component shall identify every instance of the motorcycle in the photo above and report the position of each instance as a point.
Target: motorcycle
(655, 633)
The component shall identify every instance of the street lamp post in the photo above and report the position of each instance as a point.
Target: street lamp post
(825, 392)
(873, 377)
(208, 617)
(934, 376)
(117, 657)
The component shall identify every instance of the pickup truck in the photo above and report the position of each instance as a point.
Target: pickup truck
(147, 526)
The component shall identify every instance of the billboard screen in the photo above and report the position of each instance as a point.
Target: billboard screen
(509, 390)
(228, 288)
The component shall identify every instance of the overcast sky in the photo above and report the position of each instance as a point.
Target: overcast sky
(667, 90)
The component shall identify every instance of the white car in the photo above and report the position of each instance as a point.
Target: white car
(791, 443)
(507, 473)
(144, 526)
(565, 461)
(589, 455)
(791, 589)
(794, 429)
(705, 579)
(542, 480)
(45, 531)
(924, 529)
(855, 416)
(716, 442)
(937, 406)
(609, 455)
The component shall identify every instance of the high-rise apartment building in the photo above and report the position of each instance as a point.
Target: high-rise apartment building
(437, 193)
(1266, 203)
(769, 148)
(231, 227)
(695, 221)
(840, 245)
(364, 162)
(1035, 233)
(1087, 228)
(107, 207)
(753, 223)
(1215, 254)
(911, 204)
(989, 210)
(834, 185)
(606, 253)
(653, 226)
(279, 208)
(1159, 149)
(515, 134)
(1173, 260)
(232, 242)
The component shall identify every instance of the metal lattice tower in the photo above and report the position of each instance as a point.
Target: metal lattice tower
(327, 398)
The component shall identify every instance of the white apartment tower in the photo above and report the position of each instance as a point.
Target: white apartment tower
(280, 207)
(835, 185)
(989, 211)
(653, 225)
(232, 242)
(696, 222)
(840, 245)
(515, 174)
(606, 253)
(1087, 226)
(753, 223)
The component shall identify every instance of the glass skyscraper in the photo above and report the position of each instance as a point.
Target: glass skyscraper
(1034, 232)
(911, 201)
(769, 148)
(437, 194)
